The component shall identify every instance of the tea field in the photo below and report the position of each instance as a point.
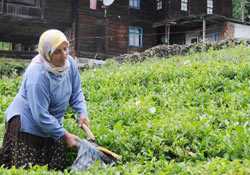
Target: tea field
(184, 115)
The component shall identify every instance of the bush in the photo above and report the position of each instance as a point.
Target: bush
(11, 69)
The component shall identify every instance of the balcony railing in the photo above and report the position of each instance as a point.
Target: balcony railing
(23, 10)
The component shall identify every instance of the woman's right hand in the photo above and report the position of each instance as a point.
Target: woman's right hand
(71, 139)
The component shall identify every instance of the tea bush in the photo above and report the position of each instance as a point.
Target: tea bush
(9, 69)
(183, 115)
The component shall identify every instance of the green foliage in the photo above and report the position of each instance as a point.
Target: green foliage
(183, 115)
(12, 69)
(237, 10)
(5, 46)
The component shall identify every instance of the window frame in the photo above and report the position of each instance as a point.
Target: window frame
(194, 38)
(159, 5)
(210, 6)
(184, 5)
(212, 32)
(140, 34)
(132, 4)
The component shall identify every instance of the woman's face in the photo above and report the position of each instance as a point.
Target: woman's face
(58, 58)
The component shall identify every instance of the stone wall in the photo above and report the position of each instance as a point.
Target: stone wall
(162, 51)
(166, 51)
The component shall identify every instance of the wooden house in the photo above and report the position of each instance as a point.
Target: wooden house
(22, 21)
(100, 32)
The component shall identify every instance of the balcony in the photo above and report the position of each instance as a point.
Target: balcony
(23, 10)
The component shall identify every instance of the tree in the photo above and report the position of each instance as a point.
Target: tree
(237, 9)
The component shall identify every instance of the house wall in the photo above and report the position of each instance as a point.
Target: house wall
(195, 7)
(58, 11)
(227, 8)
(161, 14)
(105, 34)
(193, 34)
(241, 31)
(227, 31)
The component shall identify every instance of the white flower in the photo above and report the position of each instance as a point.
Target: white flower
(94, 70)
(138, 102)
(186, 62)
(152, 110)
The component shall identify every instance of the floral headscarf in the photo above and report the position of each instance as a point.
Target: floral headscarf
(48, 43)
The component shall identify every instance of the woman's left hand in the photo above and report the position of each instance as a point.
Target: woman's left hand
(83, 119)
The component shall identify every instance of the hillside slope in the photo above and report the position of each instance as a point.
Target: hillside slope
(183, 115)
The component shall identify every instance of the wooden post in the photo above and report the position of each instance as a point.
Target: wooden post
(204, 31)
(4, 8)
(168, 34)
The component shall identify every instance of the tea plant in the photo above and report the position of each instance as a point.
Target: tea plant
(183, 115)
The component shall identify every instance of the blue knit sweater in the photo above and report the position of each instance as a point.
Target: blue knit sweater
(43, 99)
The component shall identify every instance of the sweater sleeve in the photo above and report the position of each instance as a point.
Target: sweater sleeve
(39, 100)
(77, 99)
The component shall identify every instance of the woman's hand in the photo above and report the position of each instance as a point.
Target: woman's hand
(83, 119)
(71, 139)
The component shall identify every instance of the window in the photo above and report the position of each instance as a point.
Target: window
(184, 5)
(134, 4)
(135, 36)
(210, 6)
(158, 4)
(212, 34)
(194, 40)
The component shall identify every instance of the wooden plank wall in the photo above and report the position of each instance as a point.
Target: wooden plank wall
(118, 37)
(90, 31)
(91, 36)
(161, 14)
(58, 11)
(227, 8)
(105, 36)
(197, 7)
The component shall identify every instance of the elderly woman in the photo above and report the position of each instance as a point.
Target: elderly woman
(34, 131)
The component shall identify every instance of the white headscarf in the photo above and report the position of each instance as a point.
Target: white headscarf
(48, 43)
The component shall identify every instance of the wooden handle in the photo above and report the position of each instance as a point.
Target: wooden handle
(116, 156)
(92, 138)
(89, 133)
